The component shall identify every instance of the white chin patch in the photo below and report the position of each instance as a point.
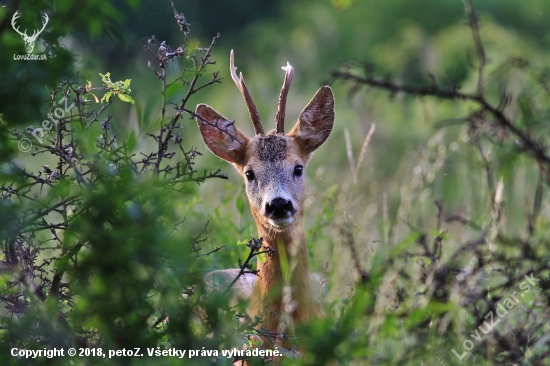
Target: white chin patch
(281, 222)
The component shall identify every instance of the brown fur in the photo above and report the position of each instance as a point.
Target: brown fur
(273, 158)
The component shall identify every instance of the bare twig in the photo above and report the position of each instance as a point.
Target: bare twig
(474, 25)
(364, 149)
(255, 245)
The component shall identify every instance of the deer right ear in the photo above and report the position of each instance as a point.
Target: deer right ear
(220, 135)
(315, 122)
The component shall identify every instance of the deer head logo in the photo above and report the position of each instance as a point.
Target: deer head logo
(29, 40)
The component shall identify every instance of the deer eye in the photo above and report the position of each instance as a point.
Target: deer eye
(250, 175)
(298, 170)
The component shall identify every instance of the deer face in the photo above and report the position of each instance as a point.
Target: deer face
(274, 178)
(273, 164)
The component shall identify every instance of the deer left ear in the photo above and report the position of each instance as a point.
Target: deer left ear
(221, 136)
(315, 122)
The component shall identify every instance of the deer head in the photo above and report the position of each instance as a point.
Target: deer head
(29, 40)
(271, 164)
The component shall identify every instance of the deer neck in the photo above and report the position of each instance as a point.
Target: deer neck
(283, 288)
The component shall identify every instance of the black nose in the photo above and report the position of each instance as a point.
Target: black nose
(279, 208)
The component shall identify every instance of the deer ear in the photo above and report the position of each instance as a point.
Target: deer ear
(315, 122)
(220, 135)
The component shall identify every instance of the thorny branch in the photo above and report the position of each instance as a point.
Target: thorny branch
(164, 55)
(255, 245)
(524, 142)
(346, 232)
(491, 274)
(50, 199)
(474, 25)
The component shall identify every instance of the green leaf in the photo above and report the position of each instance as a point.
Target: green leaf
(106, 79)
(107, 97)
(125, 98)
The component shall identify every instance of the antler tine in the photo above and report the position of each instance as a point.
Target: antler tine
(37, 32)
(16, 28)
(254, 116)
(280, 116)
(46, 18)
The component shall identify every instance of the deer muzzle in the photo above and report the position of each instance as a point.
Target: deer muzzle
(279, 211)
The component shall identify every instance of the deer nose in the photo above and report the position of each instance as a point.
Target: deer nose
(279, 208)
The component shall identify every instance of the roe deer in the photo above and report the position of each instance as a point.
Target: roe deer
(273, 166)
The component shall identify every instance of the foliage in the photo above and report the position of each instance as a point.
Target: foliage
(122, 89)
(94, 252)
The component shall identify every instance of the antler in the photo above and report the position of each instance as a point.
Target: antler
(280, 116)
(254, 116)
(36, 33)
(15, 16)
(24, 35)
